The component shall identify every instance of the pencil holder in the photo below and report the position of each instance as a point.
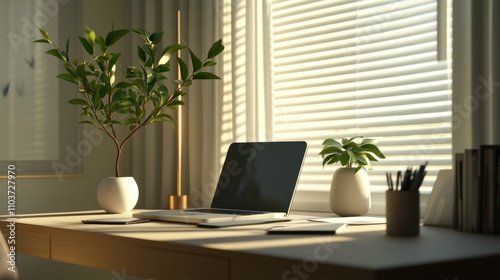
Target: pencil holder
(403, 213)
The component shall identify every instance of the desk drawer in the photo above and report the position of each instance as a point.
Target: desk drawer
(33, 243)
(135, 258)
(30, 243)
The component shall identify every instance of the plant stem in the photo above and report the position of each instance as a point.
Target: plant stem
(117, 162)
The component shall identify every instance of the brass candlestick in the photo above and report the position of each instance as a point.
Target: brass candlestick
(178, 202)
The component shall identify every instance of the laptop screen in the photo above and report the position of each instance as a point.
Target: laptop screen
(260, 176)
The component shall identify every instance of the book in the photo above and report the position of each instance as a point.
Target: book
(497, 196)
(472, 191)
(477, 190)
(457, 218)
(488, 183)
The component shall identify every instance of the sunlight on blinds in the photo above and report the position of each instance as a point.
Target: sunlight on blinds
(347, 68)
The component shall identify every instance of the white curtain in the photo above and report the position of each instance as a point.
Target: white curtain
(153, 158)
(248, 69)
(476, 73)
(241, 107)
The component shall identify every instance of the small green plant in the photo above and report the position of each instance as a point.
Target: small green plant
(143, 93)
(350, 152)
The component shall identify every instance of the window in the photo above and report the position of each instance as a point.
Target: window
(370, 68)
(41, 138)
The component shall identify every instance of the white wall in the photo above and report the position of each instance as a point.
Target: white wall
(41, 195)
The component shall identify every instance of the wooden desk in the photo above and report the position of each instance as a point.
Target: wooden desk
(178, 251)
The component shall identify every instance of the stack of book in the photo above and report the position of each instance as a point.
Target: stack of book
(477, 190)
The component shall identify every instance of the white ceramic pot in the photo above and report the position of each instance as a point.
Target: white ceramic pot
(350, 192)
(117, 194)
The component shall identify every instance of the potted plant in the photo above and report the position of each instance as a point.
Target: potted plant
(113, 96)
(350, 188)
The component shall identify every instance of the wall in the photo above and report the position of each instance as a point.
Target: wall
(41, 195)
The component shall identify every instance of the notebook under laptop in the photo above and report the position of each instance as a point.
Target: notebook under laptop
(257, 181)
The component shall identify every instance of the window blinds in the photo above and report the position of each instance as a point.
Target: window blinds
(369, 68)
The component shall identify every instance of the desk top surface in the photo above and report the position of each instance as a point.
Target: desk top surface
(363, 246)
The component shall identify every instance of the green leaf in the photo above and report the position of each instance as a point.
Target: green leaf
(352, 155)
(129, 121)
(370, 156)
(123, 85)
(352, 145)
(330, 150)
(139, 83)
(332, 142)
(67, 44)
(368, 141)
(144, 34)
(42, 41)
(156, 120)
(209, 63)
(163, 90)
(169, 51)
(86, 122)
(162, 68)
(68, 77)
(362, 159)
(89, 35)
(216, 49)
(89, 48)
(126, 103)
(140, 113)
(133, 72)
(86, 113)
(141, 100)
(175, 103)
(150, 75)
(102, 44)
(103, 91)
(373, 149)
(330, 159)
(205, 76)
(114, 59)
(344, 158)
(109, 122)
(141, 54)
(195, 61)
(81, 72)
(119, 94)
(96, 100)
(156, 37)
(150, 54)
(56, 53)
(183, 67)
(162, 118)
(79, 101)
(115, 35)
(355, 137)
(44, 33)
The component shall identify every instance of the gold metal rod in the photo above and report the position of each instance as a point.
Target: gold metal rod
(179, 116)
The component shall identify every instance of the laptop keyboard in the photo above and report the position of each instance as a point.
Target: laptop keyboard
(225, 211)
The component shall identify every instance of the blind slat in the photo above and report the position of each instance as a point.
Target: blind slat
(346, 68)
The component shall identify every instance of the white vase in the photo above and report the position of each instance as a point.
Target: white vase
(350, 192)
(117, 194)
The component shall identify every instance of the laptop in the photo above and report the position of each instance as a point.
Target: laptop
(257, 181)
